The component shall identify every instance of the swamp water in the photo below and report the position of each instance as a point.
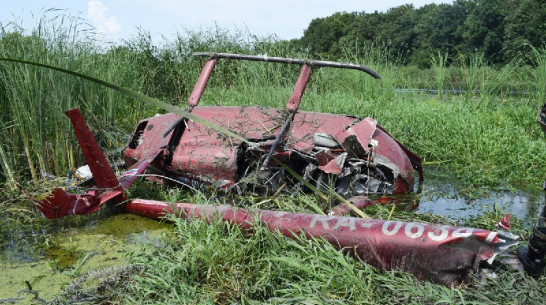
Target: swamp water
(71, 249)
(77, 245)
(451, 199)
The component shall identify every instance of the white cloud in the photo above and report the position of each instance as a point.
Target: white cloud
(96, 12)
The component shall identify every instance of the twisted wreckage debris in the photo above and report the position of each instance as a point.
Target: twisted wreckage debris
(355, 156)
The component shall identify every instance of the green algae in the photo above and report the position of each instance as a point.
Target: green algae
(62, 256)
(76, 250)
(123, 225)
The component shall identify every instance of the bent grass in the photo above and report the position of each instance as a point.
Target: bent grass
(493, 141)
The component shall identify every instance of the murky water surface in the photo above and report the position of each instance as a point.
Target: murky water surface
(454, 200)
(71, 249)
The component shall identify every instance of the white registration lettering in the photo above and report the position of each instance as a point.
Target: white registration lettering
(386, 224)
(322, 220)
(409, 228)
(345, 222)
(442, 233)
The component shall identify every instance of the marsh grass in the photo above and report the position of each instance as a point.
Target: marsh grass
(471, 70)
(219, 263)
(476, 139)
(439, 62)
(480, 131)
(488, 139)
(539, 71)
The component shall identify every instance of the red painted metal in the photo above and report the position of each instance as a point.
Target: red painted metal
(59, 204)
(91, 151)
(306, 124)
(203, 154)
(199, 87)
(295, 99)
(442, 254)
(148, 137)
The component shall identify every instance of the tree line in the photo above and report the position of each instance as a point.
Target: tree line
(499, 30)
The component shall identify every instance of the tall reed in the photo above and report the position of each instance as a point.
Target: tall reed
(471, 71)
(38, 138)
(539, 62)
(439, 62)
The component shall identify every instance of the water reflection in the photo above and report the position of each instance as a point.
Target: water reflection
(446, 197)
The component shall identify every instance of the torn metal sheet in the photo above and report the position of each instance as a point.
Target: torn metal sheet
(442, 254)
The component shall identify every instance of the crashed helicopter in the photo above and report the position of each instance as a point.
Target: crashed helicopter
(357, 156)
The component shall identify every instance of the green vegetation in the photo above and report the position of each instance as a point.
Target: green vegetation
(501, 30)
(486, 136)
(220, 264)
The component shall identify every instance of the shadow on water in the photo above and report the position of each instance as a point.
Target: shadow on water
(452, 199)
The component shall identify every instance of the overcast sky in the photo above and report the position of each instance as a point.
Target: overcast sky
(119, 19)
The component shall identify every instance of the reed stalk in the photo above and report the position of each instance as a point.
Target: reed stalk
(439, 62)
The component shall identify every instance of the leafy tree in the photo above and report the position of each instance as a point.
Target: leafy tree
(498, 29)
(361, 33)
(323, 34)
(398, 29)
(525, 25)
(437, 30)
(484, 29)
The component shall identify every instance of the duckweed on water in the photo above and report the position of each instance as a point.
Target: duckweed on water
(72, 252)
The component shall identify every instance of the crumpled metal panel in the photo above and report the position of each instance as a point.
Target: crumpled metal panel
(205, 155)
(357, 139)
(389, 148)
(440, 253)
(148, 136)
(368, 138)
(306, 124)
(335, 166)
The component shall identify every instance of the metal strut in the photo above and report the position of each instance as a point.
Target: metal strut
(196, 94)
(294, 61)
(292, 108)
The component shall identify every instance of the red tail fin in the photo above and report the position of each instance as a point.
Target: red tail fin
(59, 203)
(102, 172)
